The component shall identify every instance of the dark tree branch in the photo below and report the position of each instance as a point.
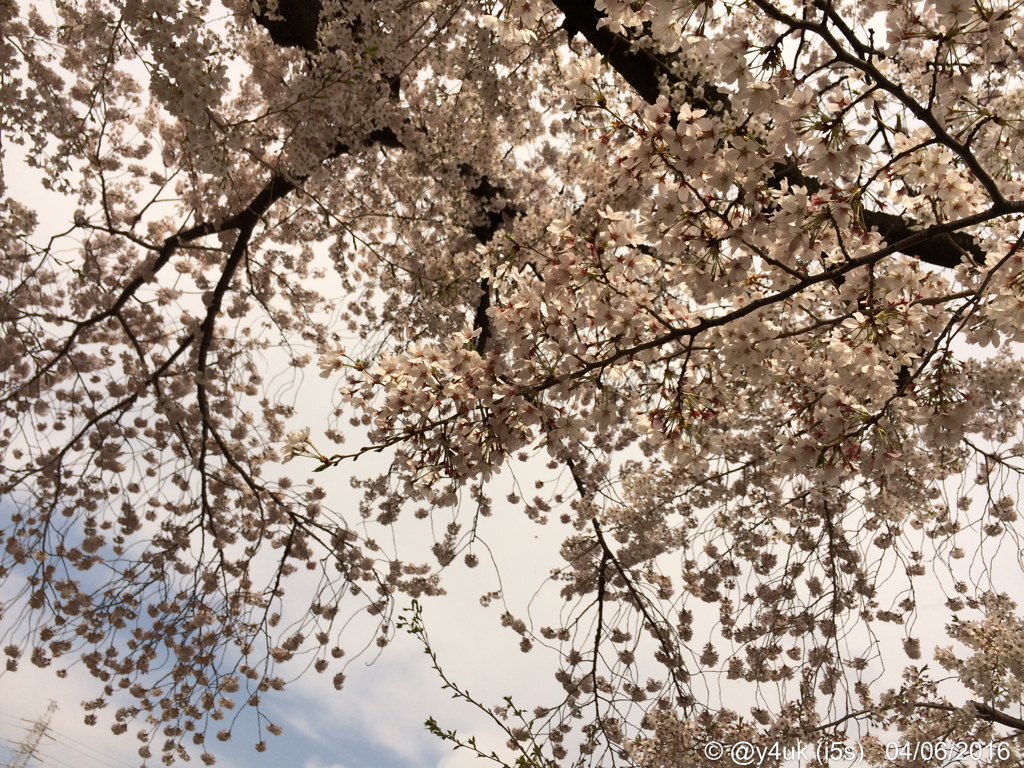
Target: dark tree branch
(481, 320)
(669, 650)
(985, 712)
(644, 71)
(484, 231)
(640, 68)
(293, 25)
(945, 250)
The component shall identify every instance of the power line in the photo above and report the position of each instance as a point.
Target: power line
(31, 744)
(46, 759)
(60, 740)
(63, 739)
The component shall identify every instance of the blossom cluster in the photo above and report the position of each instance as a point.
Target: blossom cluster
(747, 277)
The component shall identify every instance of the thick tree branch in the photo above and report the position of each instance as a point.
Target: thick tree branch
(985, 712)
(481, 320)
(644, 71)
(294, 24)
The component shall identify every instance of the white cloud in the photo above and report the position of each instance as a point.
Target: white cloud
(317, 763)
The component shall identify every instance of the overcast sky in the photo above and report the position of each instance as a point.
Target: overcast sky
(376, 721)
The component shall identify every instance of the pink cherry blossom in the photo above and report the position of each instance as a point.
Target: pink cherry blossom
(726, 296)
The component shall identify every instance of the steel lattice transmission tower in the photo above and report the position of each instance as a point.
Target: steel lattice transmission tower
(29, 746)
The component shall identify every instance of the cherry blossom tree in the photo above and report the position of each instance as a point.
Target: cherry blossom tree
(745, 276)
